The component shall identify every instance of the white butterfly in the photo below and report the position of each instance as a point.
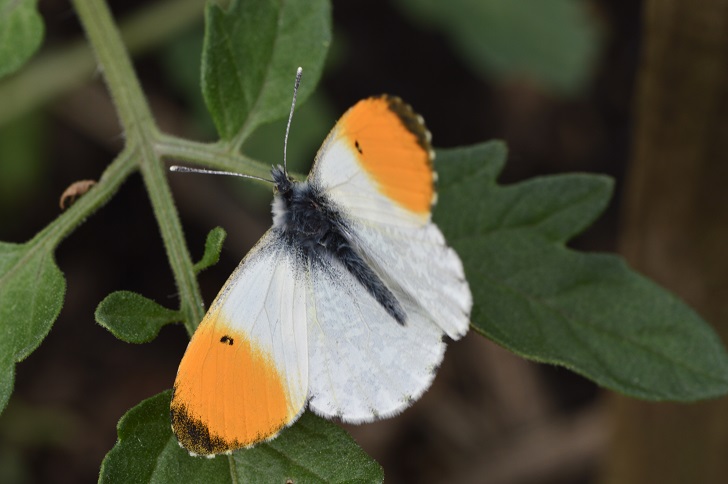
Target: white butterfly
(341, 306)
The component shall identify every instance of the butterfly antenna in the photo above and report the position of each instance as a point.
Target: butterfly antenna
(299, 71)
(187, 169)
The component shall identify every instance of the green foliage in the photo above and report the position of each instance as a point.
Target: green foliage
(554, 42)
(249, 54)
(313, 450)
(309, 127)
(21, 32)
(31, 296)
(532, 294)
(588, 312)
(181, 61)
(132, 317)
(213, 246)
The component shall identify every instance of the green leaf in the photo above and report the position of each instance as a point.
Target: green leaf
(553, 42)
(311, 123)
(31, 296)
(132, 317)
(250, 57)
(213, 246)
(182, 62)
(21, 32)
(312, 450)
(588, 312)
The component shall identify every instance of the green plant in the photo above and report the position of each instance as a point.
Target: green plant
(532, 294)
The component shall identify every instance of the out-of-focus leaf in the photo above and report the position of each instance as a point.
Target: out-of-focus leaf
(588, 312)
(553, 42)
(311, 123)
(182, 61)
(21, 32)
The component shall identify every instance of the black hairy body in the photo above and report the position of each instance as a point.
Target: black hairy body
(310, 223)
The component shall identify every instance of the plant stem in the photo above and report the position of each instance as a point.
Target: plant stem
(141, 132)
(218, 155)
(116, 67)
(191, 304)
(112, 178)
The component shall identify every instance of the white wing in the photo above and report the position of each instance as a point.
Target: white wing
(422, 271)
(363, 364)
(265, 297)
(376, 164)
(375, 168)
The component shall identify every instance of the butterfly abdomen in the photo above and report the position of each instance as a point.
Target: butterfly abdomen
(315, 228)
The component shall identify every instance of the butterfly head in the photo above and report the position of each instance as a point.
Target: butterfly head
(285, 189)
(282, 182)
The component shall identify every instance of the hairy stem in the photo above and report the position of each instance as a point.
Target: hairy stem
(218, 156)
(141, 133)
(114, 175)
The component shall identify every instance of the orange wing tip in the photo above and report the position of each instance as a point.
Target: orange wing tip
(393, 145)
(413, 122)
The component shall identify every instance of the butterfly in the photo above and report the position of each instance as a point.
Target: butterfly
(342, 306)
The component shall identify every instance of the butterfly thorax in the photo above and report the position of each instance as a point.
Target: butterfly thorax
(303, 214)
(309, 222)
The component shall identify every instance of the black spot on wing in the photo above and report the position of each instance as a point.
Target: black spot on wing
(226, 339)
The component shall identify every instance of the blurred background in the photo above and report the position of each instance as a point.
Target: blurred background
(627, 88)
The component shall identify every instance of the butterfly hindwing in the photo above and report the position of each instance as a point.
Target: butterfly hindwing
(424, 273)
(363, 364)
(244, 376)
